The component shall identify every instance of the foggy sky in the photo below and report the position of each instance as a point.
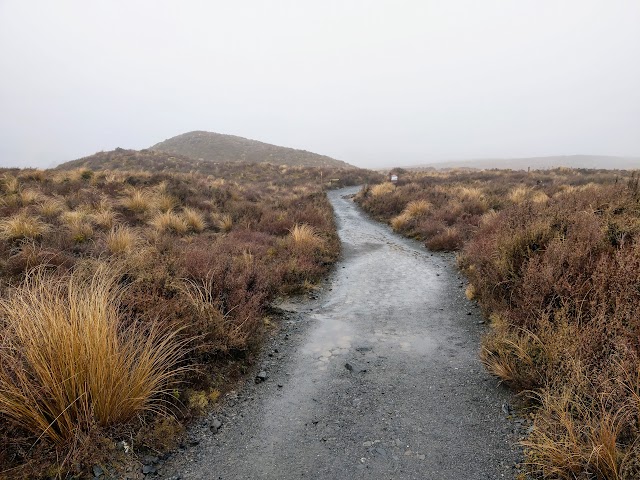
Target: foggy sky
(369, 82)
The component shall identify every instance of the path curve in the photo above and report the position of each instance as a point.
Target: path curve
(377, 378)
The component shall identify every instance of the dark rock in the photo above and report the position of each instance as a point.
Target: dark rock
(97, 471)
(149, 469)
(261, 377)
(348, 366)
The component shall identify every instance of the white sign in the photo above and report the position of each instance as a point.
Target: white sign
(394, 178)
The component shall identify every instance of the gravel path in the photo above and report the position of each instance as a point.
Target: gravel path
(377, 377)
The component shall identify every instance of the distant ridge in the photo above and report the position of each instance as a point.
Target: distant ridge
(219, 148)
(541, 163)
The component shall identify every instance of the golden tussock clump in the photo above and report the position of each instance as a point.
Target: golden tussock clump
(69, 363)
(470, 193)
(105, 218)
(382, 189)
(23, 226)
(169, 222)
(10, 184)
(304, 235)
(138, 201)
(518, 194)
(51, 207)
(194, 219)
(165, 202)
(400, 221)
(29, 196)
(78, 222)
(416, 208)
(224, 222)
(121, 240)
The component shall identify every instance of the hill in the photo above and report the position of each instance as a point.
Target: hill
(157, 162)
(216, 147)
(541, 163)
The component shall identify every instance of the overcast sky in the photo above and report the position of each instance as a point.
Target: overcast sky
(369, 82)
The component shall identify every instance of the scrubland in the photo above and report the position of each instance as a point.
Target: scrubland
(131, 300)
(553, 258)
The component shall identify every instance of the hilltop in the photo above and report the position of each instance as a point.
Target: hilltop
(216, 147)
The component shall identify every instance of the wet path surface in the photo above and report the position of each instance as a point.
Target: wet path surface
(376, 378)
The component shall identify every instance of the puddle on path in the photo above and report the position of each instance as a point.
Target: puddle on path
(330, 339)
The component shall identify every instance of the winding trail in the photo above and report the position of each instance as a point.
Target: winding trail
(377, 378)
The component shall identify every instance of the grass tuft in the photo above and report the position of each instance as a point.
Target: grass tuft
(69, 362)
(169, 222)
(304, 235)
(194, 219)
(22, 226)
(121, 240)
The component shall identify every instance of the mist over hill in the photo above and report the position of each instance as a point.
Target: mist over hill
(541, 163)
(216, 147)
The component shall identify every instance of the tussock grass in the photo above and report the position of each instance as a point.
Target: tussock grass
(121, 240)
(165, 202)
(51, 207)
(194, 219)
(10, 184)
(29, 196)
(225, 222)
(382, 189)
(220, 332)
(169, 222)
(22, 226)
(416, 208)
(105, 218)
(518, 194)
(138, 201)
(78, 222)
(400, 222)
(70, 363)
(304, 235)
